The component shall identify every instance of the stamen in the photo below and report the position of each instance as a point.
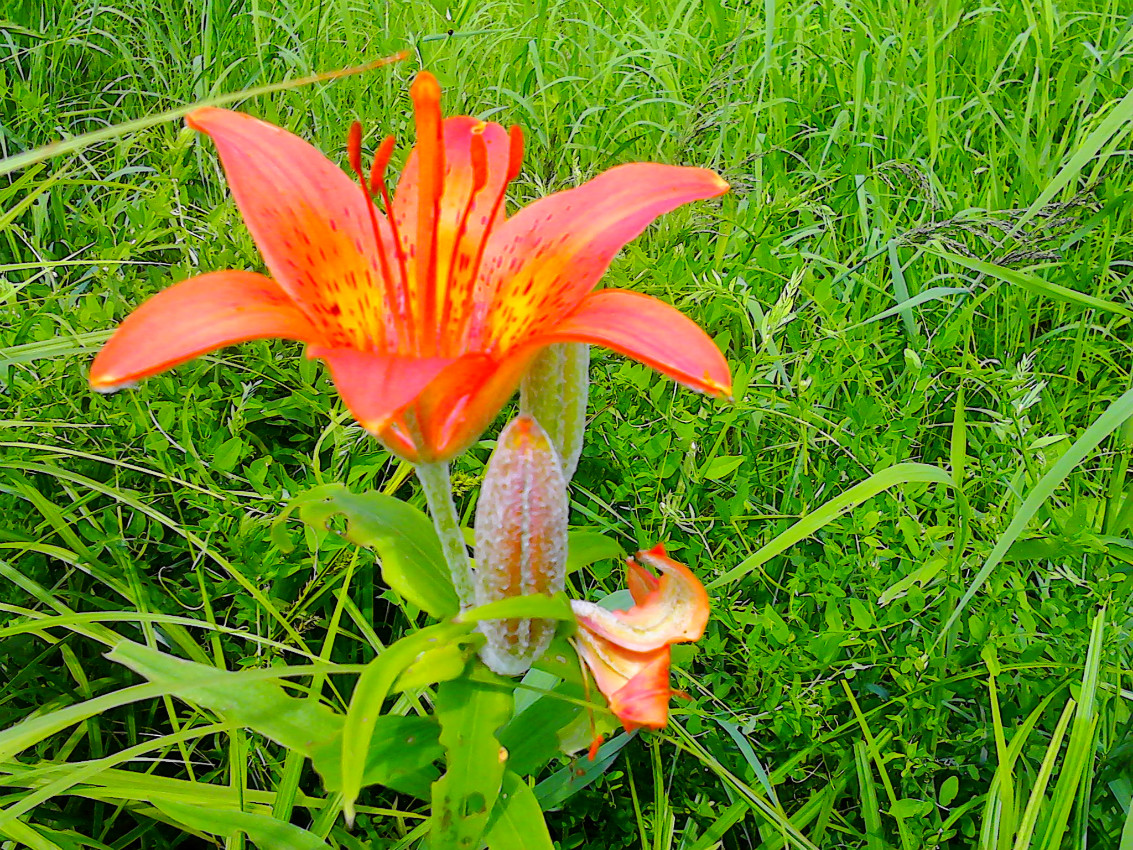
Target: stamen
(475, 328)
(354, 147)
(426, 94)
(478, 154)
(378, 184)
(354, 152)
(595, 738)
(515, 152)
(378, 167)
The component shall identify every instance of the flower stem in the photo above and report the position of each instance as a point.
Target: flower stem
(438, 493)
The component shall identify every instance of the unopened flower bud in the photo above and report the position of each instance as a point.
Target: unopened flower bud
(521, 541)
(554, 391)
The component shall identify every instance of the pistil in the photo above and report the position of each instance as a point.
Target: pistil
(426, 94)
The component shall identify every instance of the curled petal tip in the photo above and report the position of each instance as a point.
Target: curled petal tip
(592, 753)
(717, 389)
(106, 386)
(198, 118)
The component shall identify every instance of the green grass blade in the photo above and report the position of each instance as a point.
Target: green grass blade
(1035, 284)
(1035, 803)
(77, 143)
(879, 482)
(1110, 420)
(1115, 122)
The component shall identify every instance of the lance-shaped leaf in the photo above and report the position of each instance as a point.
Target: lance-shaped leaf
(400, 751)
(470, 713)
(517, 822)
(413, 563)
(265, 831)
(377, 682)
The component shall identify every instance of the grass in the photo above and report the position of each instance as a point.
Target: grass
(915, 516)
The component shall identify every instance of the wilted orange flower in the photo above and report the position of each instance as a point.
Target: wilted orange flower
(428, 317)
(628, 651)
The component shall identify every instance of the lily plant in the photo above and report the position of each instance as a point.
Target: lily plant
(431, 306)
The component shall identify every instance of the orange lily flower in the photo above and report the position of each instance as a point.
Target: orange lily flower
(428, 317)
(627, 652)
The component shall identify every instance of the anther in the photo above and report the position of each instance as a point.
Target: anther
(378, 169)
(378, 185)
(479, 155)
(515, 152)
(354, 153)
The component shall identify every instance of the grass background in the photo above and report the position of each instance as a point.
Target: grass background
(924, 259)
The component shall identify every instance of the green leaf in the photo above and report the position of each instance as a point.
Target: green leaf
(20, 831)
(438, 664)
(533, 606)
(401, 755)
(265, 831)
(412, 560)
(901, 473)
(584, 547)
(722, 466)
(374, 685)
(401, 750)
(920, 576)
(948, 790)
(553, 791)
(533, 737)
(910, 808)
(470, 713)
(298, 724)
(517, 822)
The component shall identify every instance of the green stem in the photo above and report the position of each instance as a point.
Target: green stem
(438, 493)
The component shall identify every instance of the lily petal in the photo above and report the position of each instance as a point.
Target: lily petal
(540, 263)
(639, 581)
(470, 205)
(378, 387)
(675, 611)
(644, 700)
(652, 332)
(194, 317)
(635, 684)
(311, 223)
(462, 402)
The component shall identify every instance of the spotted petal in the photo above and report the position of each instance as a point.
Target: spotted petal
(540, 263)
(194, 317)
(310, 221)
(651, 331)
